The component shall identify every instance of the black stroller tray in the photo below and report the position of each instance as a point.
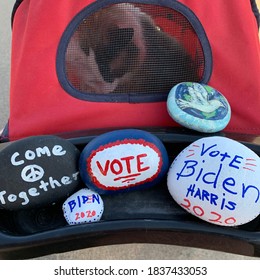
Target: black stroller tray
(149, 216)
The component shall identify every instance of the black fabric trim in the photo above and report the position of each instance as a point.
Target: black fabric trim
(128, 98)
(4, 137)
(256, 12)
(16, 5)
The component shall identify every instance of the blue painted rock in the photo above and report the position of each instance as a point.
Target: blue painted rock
(198, 107)
(123, 160)
(37, 171)
(218, 180)
(84, 206)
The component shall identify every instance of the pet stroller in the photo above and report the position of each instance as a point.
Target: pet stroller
(57, 46)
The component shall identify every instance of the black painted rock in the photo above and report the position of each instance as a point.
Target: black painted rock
(37, 171)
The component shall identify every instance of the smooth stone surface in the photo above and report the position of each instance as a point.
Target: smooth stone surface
(37, 171)
(218, 180)
(84, 206)
(123, 160)
(198, 107)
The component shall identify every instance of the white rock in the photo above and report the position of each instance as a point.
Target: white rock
(84, 206)
(218, 180)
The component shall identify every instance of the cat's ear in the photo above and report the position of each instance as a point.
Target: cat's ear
(120, 37)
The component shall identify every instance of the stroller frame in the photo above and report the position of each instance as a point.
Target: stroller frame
(158, 219)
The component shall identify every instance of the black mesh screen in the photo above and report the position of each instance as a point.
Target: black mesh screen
(129, 48)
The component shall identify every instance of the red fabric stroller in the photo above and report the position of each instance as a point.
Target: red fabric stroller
(55, 90)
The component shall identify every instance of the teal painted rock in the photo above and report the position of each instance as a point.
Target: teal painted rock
(198, 107)
(217, 180)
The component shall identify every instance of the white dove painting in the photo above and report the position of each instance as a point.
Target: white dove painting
(199, 99)
(199, 107)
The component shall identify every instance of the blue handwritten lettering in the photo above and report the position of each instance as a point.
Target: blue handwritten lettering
(245, 190)
(215, 180)
(82, 200)
(189, 165)
(203, 150)
(190, 190)
(213, 199)
(96, 197)
(85, 199)
(229, 182)
(225, 155)
(210, 176)
(235, 160)
(72, 204)
(231, 205)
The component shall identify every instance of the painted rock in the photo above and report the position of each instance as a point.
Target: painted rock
(218, 180)
(37, 171)
(198, 107)
(123, 160)
(84, 206)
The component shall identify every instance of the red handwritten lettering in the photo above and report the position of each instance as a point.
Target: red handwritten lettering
(198, 211)
(127, 161)
(103, 170)
(87, 214)
(118, 166)
(140, 163)
(217, 219)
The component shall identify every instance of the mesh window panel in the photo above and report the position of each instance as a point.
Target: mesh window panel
(133, 48)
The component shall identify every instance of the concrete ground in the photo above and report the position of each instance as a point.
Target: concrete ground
(123, 252)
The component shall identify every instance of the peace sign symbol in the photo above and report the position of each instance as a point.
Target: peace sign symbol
(32, 173)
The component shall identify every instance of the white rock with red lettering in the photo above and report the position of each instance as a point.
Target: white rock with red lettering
(84, 206)
(217, 179)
